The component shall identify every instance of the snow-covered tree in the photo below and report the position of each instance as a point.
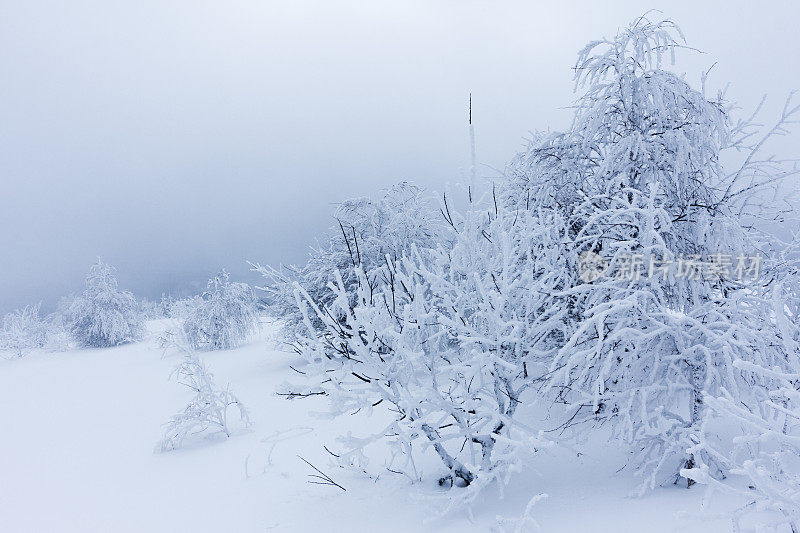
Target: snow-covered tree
(639, 180)
(222, 317)
(366, 232)
(104, 315)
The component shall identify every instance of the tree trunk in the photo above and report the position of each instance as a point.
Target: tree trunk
(698, 382)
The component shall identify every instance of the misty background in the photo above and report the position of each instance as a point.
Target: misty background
(176, 138)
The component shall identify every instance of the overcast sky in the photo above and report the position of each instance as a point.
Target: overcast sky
(175, 138)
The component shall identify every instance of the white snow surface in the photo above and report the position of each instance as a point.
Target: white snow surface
(79, 428)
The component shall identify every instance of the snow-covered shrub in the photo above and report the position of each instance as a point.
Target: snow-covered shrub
(451, 340)
(178, 308)
(366, 232)
(766, 453)
(767, 450)
(58, 334)
(103, 315)
(23, 330)
(222, 317)
(152, 310)
(207, 410)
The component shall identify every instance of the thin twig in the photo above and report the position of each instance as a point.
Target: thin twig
(326, 480)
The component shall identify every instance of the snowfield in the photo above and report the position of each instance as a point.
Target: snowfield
(79, 430)
(614, 312)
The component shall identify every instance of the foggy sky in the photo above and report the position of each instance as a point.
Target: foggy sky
(175, 138)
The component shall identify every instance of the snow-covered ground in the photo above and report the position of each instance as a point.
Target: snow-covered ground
(78, 429)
